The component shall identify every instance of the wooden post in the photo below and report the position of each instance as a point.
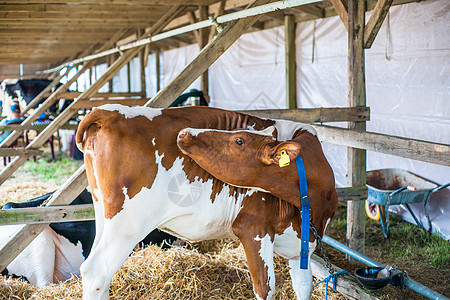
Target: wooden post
(142, 64)
(204, 39)
(158, 70)
(110, 60)
(129, 77)
(291, 79)
(356, 97)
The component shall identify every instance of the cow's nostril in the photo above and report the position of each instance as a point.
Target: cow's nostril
(183, 133)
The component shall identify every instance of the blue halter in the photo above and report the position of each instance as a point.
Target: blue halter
(305, 213)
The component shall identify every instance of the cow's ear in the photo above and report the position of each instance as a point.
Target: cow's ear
(290, 149)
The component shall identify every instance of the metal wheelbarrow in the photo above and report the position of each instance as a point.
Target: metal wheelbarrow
(394, 187)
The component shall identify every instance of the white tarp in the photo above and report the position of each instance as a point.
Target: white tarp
(251, 74)
(407, 84)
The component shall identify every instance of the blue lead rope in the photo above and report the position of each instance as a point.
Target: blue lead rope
(304, 235)
(304, 252)
(333, 278)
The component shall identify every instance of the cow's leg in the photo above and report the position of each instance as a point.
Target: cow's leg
(258, 248)
(301, 279)
(112, 249)
(119, 236)
(97, 200)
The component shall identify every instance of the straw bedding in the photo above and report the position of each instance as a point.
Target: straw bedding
(177, 273)
(24, 191)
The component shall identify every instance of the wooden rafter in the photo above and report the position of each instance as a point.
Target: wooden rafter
(376, 20)
(341, 8)
(310, 9)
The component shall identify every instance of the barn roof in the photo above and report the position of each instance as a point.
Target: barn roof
(45, 33)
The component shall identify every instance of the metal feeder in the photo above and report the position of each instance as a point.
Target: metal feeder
(367, 276)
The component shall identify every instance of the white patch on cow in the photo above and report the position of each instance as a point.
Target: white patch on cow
(301, 279)
(69, 258)
(133, 112)
(266, 132)
(288, 245)
(286, 129)
(326, 224)
(153, 142)
(266, 253)
(47, 259)
(202, 219)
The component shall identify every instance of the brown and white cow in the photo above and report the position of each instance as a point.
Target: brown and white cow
(141, 181)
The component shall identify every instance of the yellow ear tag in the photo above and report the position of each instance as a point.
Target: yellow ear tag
(284, 159)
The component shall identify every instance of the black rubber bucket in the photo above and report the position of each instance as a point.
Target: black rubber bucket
(367, 276)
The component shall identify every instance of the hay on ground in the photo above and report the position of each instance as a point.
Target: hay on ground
(176, 273)
(24, 191)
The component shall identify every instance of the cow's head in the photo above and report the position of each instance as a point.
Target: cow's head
(245, 158)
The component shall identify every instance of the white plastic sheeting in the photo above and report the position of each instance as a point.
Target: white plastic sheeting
(173, 61)
(407, 85)
(251, 74)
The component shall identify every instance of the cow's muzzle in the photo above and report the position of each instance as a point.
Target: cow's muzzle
(184, 136)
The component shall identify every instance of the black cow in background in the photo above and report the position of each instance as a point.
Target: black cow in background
(28, 89)
(59, 250)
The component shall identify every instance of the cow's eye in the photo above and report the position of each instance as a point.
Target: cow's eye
(239, 141)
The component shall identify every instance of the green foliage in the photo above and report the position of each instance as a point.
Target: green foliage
(58, 170)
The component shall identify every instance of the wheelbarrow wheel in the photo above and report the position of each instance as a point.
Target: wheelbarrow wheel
(373, 210)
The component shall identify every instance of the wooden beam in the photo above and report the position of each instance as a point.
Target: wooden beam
(205, 58)
(393, 145)
(95, 103)
(119, 16)
(39, 127)
(291, 74)
(315, 115)
(47, 214)
(375, 21)
(118, 2)
(19, 152)
(310, 9)
(346, 284)
(356, 217)
(72, 95)
(69, 191)
(84, 8)
(74, 23)
(341, 9)
(354, 193)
